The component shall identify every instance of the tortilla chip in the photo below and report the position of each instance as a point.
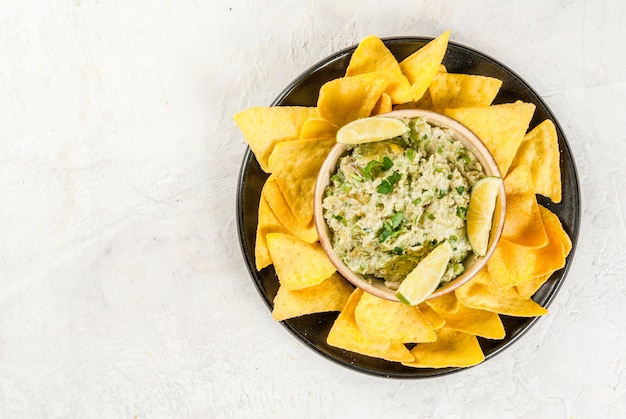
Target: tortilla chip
(317, 128)
(529, 288)
(451, 349)
(329, 295)
(522, 222)
(388, 320)
(298, 264)
(264, 127)
(540, 151)
(383, 105)
(482, 293)
(551, 221)
(511, 264)
(268, 223)
(348, 98)
(431, 315)
(421, 66)
(372, 55)
(276, 200)
(345, 334)
(469, 320)
(445, 303)
(462, 90)
(296, 164)
(500, 127)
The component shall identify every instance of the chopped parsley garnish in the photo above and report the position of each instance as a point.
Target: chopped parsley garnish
(375, 167)
(397, 219)
(391, 227)
(385, 232)
(461, 212)
(460, 190)
(386, 186)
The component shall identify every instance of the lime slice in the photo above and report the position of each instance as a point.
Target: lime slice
(480, 212)
(424, 279)
(367, 130)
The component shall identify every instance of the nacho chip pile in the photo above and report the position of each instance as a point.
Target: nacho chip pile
(291, 143)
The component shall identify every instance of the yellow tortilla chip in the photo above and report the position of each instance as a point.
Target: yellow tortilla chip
(451, 349)
(296, 164)
(383, 105)
(348, 98)
(371, 55)
(388, 320)
(469, 320)
(482, 293)
(529, 288)
(550, 219)
(447, 303)
(345, 334)
(329, 295)
(317, 128)
(276, 200)
(298, 264)
(264, 127)
(511, 265)
(522, 223)
(421, 66)
(500, 127)
(431, 315)
(268, 223)
(540, 152)
(462, 90)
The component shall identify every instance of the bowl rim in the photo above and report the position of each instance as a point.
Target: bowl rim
(459, 132)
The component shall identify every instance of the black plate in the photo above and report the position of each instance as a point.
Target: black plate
(313, 329)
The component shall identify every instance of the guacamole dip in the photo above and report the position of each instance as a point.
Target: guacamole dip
(390, 202)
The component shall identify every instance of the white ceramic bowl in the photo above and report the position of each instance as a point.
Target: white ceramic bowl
(472, 143)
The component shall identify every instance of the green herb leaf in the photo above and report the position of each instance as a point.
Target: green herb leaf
(386, 186)
(397, 219)
(385, 232)
(460, 190)
(394, 178)
(387, 163)
(461, 212)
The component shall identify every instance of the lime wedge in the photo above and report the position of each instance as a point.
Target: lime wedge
(367, 130)
(424, 279)
(480, 212)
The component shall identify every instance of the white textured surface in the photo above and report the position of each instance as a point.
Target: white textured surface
(123, 292)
